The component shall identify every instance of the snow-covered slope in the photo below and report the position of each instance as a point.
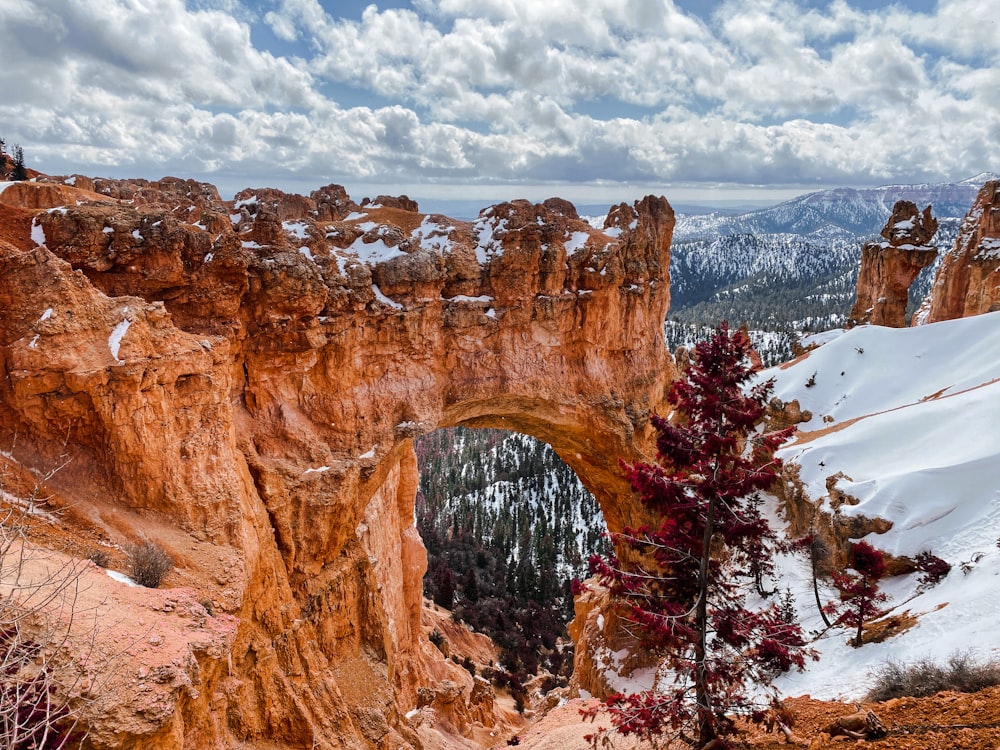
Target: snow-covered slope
(912, 418)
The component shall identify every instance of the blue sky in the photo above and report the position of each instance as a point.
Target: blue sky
(595, 100)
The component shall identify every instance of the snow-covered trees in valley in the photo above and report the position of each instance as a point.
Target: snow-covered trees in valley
(683, 579)
(860, 596)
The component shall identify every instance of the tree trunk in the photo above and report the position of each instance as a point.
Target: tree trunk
(706, 724)
(861, 622)
(819, 603)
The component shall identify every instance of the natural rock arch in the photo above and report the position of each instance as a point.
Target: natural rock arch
(253, 379)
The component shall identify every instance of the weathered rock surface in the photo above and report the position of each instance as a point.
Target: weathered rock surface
(250, 375)
(888, 268)
(968, 281)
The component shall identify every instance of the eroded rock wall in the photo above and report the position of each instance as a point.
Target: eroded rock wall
(968, 280)
(251, 375)
(889, 267)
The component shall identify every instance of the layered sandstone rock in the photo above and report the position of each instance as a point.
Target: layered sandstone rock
(251, 377)
(968, 281)
(888, 268)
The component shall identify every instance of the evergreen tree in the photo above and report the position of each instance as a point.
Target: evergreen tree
(19, 172)
(443, 581)
(684, 580)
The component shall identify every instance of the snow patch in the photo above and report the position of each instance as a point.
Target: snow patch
(121, 578)
(385, 300)
(375, 252)
(37, 233)
(576, 241)
(297, 229)
(28, 505)
(489, 233)
(434, 236)
(117, 334)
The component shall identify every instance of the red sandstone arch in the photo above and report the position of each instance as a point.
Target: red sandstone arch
(265, 396)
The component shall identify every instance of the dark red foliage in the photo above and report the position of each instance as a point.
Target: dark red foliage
(860, 596)
(685, 579)
(932, 568)
(867, 560)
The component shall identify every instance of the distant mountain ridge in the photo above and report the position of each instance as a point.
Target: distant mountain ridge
(837, 213)
(794, 266)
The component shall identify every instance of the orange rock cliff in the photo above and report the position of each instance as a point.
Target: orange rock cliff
(242, 382)
(968, 280)
(888, 268)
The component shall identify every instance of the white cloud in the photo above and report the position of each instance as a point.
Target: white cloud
(505, 90)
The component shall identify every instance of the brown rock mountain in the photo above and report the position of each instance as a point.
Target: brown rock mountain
(241, 383)
(888, 268)
(968, 281)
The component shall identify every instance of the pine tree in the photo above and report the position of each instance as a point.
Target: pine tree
(443, 581)
(684, 580)
(18, 172)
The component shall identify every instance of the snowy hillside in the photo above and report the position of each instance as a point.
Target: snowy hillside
(910, 417)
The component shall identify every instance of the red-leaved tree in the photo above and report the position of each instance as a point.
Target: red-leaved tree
(683, 579)
(859, 593)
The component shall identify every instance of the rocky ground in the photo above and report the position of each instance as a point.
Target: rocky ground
(946, 721)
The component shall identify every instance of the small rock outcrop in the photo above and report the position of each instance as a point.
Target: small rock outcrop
(888, 268)
(968, 281)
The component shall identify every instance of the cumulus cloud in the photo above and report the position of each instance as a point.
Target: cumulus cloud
(762, 91)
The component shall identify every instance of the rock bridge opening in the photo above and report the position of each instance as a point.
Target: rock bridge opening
(507, 525)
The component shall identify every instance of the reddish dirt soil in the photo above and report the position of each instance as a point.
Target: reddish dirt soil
(946, 721)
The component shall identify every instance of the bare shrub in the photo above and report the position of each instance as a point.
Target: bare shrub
(42, 627)
(962, 673)
(148, 563)
(99, 557)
